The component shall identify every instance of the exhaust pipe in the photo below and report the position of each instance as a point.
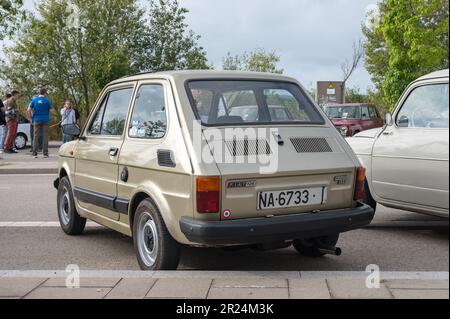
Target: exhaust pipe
(330, 250)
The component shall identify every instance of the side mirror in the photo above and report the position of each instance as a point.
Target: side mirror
(389, 119)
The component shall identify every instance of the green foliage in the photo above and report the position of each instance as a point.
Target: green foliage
(11, 14)
(168, 44)
(257, 61)
(408, 39)
(75, 47)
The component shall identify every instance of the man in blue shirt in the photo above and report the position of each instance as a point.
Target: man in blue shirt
(39, 111)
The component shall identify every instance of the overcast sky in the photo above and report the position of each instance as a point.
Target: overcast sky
(312, 37)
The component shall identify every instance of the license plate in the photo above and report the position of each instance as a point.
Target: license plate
(291, 198)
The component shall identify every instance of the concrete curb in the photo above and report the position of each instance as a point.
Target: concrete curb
(28, 171)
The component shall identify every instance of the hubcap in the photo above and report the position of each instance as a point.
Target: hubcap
(147, 238)
(64, 207)
(20, 142)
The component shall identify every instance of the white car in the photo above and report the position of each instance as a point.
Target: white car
(407, 161)
(23, 133)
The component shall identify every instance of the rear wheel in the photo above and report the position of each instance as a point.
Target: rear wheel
(368, 199)
(155, 248)
(309, 248)
(71, 223)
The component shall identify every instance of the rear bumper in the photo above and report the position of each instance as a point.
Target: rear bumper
(265, 230)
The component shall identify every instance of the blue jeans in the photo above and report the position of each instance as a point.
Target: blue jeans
(66, 138)
(3, 133)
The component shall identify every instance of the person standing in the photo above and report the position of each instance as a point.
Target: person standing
(2, 126)
(12, 121)
(68, 117)
(39, 110)
(32, 134)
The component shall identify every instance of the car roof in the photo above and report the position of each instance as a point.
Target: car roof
(434, 75)
(204, 74)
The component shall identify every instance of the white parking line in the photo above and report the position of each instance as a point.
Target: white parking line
(40, 224)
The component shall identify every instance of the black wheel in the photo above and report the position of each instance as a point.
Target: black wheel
(21, 141)
(155, 248)
(308, 247)
(368, 199)
(71, 223)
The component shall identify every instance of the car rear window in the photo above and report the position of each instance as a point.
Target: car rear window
(239, 102)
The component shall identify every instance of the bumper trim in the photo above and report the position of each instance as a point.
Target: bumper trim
(279, 228)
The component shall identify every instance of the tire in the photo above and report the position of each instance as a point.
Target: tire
(71, 223)
(148, 225)
(20, 141)
(307, 247)
(368, 199)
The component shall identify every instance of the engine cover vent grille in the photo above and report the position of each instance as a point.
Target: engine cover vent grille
(248, 147)
(311, 145)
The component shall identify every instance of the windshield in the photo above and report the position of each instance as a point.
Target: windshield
(343, 112)
(231, 102)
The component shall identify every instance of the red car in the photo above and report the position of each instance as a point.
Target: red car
(351, 119)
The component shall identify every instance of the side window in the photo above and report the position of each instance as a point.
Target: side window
(116, 111)
(149, 119)
(426, 106)
(372, 112)
(365, 113)
(96, 124)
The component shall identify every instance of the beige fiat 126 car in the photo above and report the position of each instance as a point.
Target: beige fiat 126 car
(407, 161)
(211, 159)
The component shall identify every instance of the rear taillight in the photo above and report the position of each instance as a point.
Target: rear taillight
(208, 194)
(360, 179)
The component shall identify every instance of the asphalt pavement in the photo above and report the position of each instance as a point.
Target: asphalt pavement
(35, 246)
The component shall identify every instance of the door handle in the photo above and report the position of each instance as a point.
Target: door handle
(113, 151)
(389, 133)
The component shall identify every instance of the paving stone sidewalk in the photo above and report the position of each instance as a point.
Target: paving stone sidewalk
(201, 285)
(24, 163)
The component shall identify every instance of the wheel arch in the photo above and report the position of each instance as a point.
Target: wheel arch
(150, 192)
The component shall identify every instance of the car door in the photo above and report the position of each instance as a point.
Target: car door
(98, 150)
(411, 157)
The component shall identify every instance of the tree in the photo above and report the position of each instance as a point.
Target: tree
(258, 61)
(354, 95)
(167, 44)
(348, 67)
(11, 13)
(74, 47)
(408, 39)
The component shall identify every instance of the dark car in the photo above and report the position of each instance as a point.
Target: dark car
(351, 119)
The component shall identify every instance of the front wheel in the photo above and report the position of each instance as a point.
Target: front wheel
(155, 248)
(21, 141)
(71, 223)
(308, 247)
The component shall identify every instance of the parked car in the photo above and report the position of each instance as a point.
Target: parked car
(407, 161)
(350, 119)
(23, 133)
(136, 168)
